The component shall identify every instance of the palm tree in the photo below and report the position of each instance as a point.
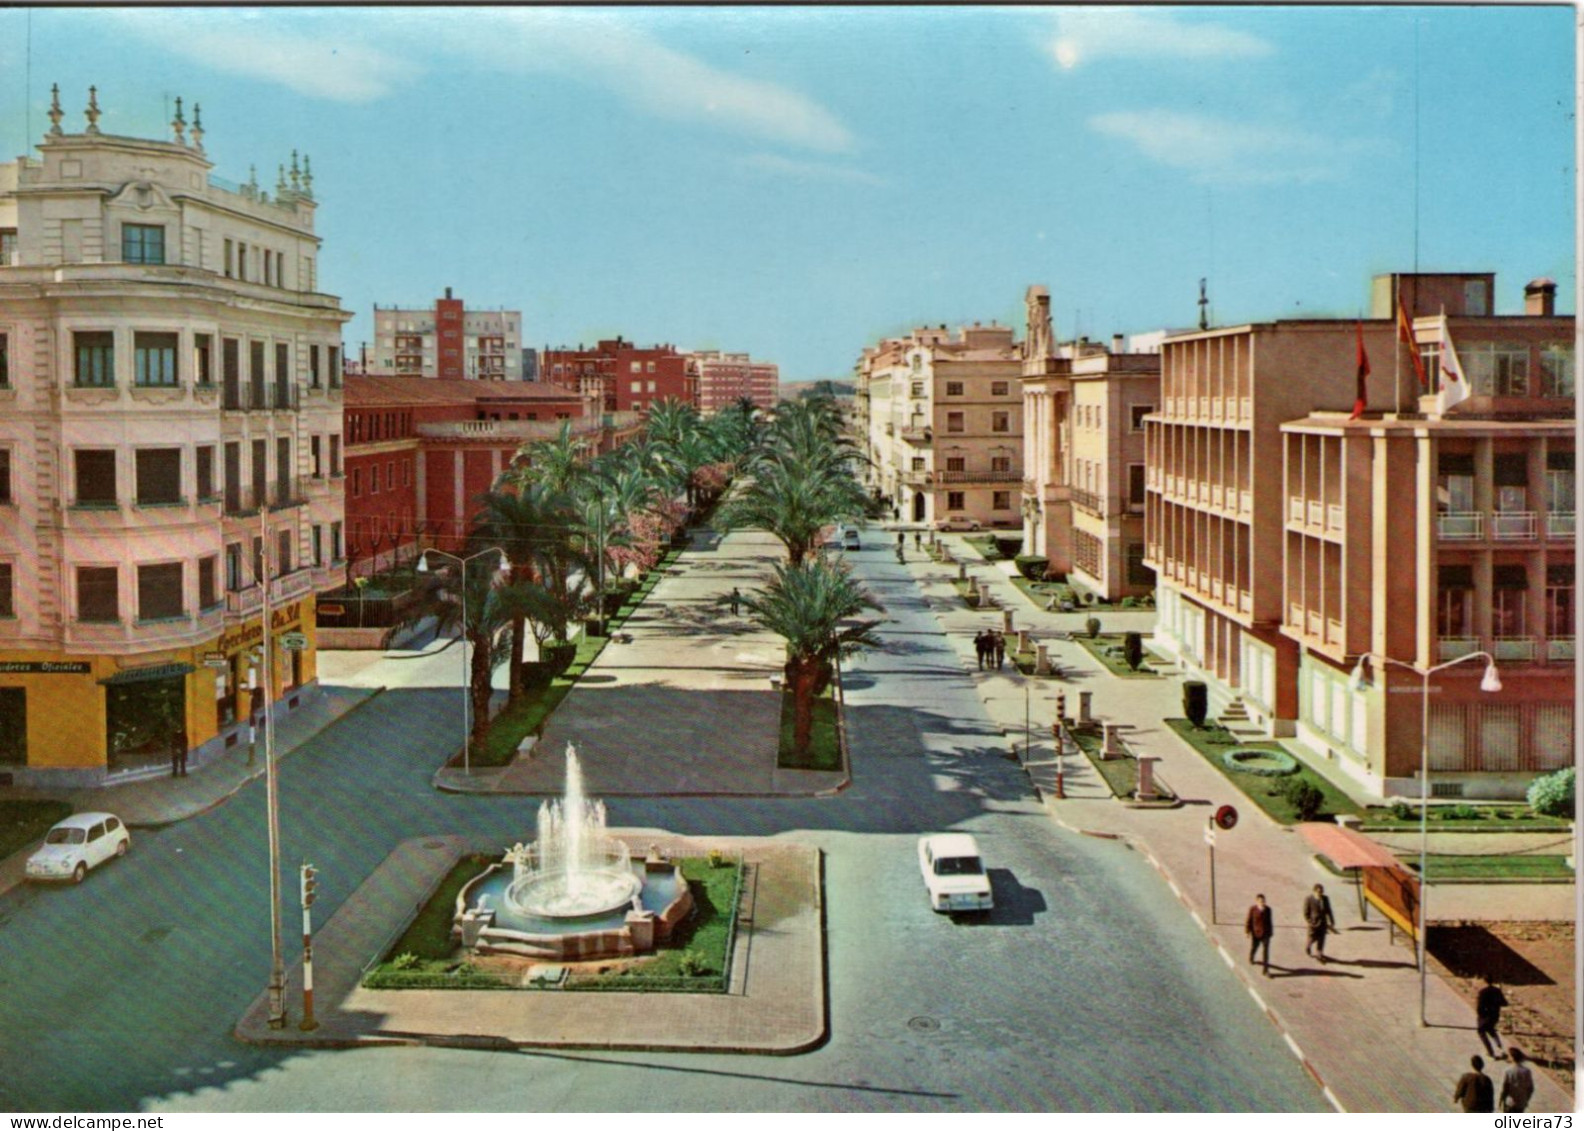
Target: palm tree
(811, 606)
(490, 607)
(794, 505)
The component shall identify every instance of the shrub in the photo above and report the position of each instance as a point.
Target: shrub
(405, 961)
(1032, 566)
(1304, 796)
(1092, 625)
(1007, 547)
(691, 964)
(1552, 794)
(1401, 810)
(717, 858)
(1196, 702)
(1465, 813)
(1133, 650)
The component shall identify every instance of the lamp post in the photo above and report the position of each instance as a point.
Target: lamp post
(1491, 681)
(467, 688)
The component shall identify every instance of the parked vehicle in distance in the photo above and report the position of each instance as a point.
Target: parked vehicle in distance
(79, 843)
(850, 539)
(954, 873)
(957, 522)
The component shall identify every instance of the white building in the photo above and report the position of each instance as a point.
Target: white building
(448, 341)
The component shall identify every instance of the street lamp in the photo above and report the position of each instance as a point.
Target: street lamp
(462, 563)
(1490, 681)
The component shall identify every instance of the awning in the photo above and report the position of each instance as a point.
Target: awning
(147, 674)
(1346, 848)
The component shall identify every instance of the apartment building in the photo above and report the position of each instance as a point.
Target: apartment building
(170, 444)
(1431, 535)
(724, 379)
(943, 419)
(624, 377)
(1084, 406)
(448, 341)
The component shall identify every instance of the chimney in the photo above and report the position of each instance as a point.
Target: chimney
(1540, 298)
(448, 294)
(1116, 343)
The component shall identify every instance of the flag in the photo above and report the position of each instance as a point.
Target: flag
(1405, 333)
(1454, 387)
(1363, 372)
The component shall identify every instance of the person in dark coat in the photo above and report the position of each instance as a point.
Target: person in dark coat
(1259, 926)
(998, 642)
(1488, 1006)
(736, 600)
(1518, 1085)
(981, 647)
(1320, 920)
(1475, 1092)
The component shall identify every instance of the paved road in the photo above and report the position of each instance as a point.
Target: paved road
(1086, 989)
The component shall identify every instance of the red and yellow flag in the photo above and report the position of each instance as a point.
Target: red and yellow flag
(1405, 334)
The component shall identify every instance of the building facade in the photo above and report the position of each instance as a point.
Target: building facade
(942, 418)
(622, 376)
(724, 379)
(448, 341)
(170, 445)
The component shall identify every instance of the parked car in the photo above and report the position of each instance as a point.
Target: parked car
(850, 539)
(957, 522)
(954, 873)
(77, 844)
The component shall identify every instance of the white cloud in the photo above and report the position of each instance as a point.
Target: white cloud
(248, 44)
(778, 166)
(1217, 150)
(1086, 34)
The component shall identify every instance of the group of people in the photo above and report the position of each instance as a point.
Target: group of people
(1477, 1091)
(990, 646)
(1260, 925)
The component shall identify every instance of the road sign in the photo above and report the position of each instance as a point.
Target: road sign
(215, 660)
(294, 641)
(1210, 834)
(1226, 817)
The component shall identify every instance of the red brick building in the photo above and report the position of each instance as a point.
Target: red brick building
(624, 377)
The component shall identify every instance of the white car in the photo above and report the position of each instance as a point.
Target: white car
(954, 873)
(957, 522)
(850, 540)
(80, 842)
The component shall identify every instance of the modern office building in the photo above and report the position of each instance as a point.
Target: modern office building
(448, 341)
(724, 379)
(170, 444)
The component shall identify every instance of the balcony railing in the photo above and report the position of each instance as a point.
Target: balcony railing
(291, 492)
(978, 476)
(1088, 501)
(1514, 648)
(1560, 648)
(1513, 526)
(1451, 647)
(1460, 526)
(1559, 524)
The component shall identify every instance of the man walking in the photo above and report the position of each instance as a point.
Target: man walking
(999, 643)
(1475, 1092)
(1518, 1085)
(1317, 914)
(1258, 925)
(981, 647)
(1487, 1013)
(736, 600)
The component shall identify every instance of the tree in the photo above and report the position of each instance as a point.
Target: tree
(1133, 650)
(812, 605)
(1551, 795)
(794, 504)
(490, 607)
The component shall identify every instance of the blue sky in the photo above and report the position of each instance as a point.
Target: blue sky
(798, 182)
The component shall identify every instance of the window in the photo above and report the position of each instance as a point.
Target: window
(1000, 422)
(5, 476)
(208, 589)
(954, 422)
(153, 359)
(357, 482)
(335, 456)
(203, 359)
(1455, 483)
(651, 387)
(7, 601)
(1559, 600)
(142, 243)
(1559, 487)
(233, 476)
(5, 362)
(282, 364)
(317, 541)
(918, 463)
(231, 371)
(314, 459)
(954, 388)
(158, 476)
(1509, 596)
(1135, 485)
(1476, 297)
(95, 359)
(1002, 464)
(637, 367)
(98, 593)
(333, 365)
(284, 465)
(374, 486)
(954, 500)
(335, 541)
(637, 386)
(230, 259)
(233, 552)
(283, 552)
(918, 389)
(1556, 371)
(998, 388)
(8, 247)
(242, 261)
(96, 478)
(956, 463)
(406, 473)
(1454, 598)
(1498, 369)
(313, 367)
(1136, 415)
(1001, 500)
(390, 476)
(159, 591)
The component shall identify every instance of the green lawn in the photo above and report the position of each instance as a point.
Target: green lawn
(984, 545)
(529, 714)
(967, 591)
(1116, 665)
(1262, 791)
(1443, 868)
(824, 752)
(24, 823)
(1462, 818)
(1120, 774)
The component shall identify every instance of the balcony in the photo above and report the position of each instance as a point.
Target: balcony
(1559, 524)
(1514, 648)
(1245, 408)
(1334, 517)
(1513, 526)
(1315, 625)
(1295, 510)
(1333, 631)
(916, 434)
(1316, 514)
(1560, 649)
(290, 492)
(978, 477)
(1088, 502)
(1217, 496)
(283, 397)
(1460, 526)
(287, 587)
(1451, 647)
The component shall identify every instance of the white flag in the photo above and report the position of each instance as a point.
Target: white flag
(1453, 387)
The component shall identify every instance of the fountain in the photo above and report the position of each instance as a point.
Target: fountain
(575, 892)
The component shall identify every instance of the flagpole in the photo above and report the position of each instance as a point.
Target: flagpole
(1397, 349)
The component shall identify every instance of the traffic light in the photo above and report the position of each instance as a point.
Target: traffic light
(310, 884)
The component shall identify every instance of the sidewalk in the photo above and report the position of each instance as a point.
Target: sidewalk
(1353, 1021)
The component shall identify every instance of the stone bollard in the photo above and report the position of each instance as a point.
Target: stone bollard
(1146, 778)
(1022, 640)
(1042, 664)
(1084, 718)
(962, 571)
(1006, 622)
(984, 593)
(1111, 747)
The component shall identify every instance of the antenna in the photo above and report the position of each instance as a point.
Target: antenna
(1204, 307)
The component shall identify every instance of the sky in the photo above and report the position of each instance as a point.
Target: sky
(799, 182)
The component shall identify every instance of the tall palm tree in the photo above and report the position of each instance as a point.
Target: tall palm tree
(491, 606)
(812, 605)
(794, 502)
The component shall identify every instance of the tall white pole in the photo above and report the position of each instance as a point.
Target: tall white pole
(277, 980)
(467, 765)
(1424, 845)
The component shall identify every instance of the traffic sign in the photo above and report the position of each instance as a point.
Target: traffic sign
(1226, 817)
(294, 641)
(1210, 833)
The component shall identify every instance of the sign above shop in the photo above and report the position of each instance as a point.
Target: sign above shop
(147, 674)
(294, 641)
(215, 660)
(44, 667)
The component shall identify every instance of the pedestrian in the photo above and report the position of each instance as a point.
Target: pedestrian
(181, 758)
(1488, 1005)
(176, 760)
(918, 540)
(1518, 1084)
(1258, 925)
(736, 600)
(980, 647)
(999, 643)
(1475, 1092)
(1317, 914)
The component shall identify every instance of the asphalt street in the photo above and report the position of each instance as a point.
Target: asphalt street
(1087, 988)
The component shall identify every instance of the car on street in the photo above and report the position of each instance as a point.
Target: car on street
(957, 522)
(850, 540)
(954, 873)
(79, 843)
